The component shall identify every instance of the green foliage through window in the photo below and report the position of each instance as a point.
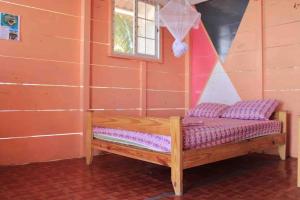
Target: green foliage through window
(123, 34)
(134, 29)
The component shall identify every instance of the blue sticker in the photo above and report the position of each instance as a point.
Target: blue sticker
(10, 22)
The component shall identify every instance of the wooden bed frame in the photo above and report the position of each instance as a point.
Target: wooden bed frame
(178, 159)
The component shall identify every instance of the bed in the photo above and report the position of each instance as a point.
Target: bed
(165, 141)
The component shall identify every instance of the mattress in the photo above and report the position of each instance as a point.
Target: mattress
(212, 132)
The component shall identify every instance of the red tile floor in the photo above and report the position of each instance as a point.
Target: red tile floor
(111, 177)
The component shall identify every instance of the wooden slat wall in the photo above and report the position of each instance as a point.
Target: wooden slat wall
(264, 58)
(281, 56)
(133, 87)
(39, 83)
(41, 80)
(244, 58)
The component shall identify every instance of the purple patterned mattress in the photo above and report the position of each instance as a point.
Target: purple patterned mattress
(210, 132)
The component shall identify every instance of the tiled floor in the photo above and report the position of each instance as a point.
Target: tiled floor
(112, 177)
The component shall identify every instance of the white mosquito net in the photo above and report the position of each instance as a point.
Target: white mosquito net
(178, 16)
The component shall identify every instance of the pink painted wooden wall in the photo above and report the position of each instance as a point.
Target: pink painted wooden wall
(281, 60)
(40, 81)
(133, 87)
(263, 61)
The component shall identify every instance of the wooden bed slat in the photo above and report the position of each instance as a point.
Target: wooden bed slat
(151, 125)
(196, 157)
(133, 152)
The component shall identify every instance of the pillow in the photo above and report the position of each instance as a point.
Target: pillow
(211, 110)
(254, 109)
(192, 121)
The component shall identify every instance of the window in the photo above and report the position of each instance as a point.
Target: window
(135, 32)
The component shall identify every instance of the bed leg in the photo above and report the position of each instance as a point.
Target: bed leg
(89, 157)
(89, 154)
(176, 177)
(282, 117)
(282, 151)
(176, 155)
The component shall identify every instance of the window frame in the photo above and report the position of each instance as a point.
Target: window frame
(135, 55)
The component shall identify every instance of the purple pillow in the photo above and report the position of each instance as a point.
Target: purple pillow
(253, 110)
(211, 110)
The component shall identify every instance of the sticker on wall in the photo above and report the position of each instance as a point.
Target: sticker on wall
(9, 26)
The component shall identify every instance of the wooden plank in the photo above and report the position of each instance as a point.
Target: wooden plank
(275, 79)
(133, 152)
(18, 97)
(20, 70)
(290, 97)
(282, 117)
(20, 124)
(198, 157)
(110, 20)
(260, 42)
(176, 155)
(280, 12)
(165, 81)
(85, 57)
(115, 77)
(151, 125)
(67, 7)
(241, 62)
(282, 35)
(187, 76)
(110, 98)
(85, 71)
(274, 57)
(248, 42)
(39, 149)
(143, 88)
(115, 112)
(245, 85)
(100, 10)
(49, 24)
(165, 99)
(89, 138)
(99, 56)
(165, 113)
(98, 35)
(43, 46)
